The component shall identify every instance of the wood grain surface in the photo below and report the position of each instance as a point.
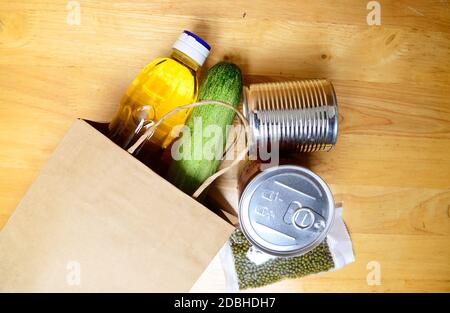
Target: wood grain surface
(391, 165)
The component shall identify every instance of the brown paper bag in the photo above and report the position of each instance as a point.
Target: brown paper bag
(96, 220)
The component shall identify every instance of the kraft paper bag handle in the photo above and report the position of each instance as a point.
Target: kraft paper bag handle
(151, 130)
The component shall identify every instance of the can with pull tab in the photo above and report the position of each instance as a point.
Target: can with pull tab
(286, 210)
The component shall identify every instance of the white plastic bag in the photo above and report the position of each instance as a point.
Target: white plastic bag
(247, 267)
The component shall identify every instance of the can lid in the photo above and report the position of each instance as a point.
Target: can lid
(286, 210)
(193, 46)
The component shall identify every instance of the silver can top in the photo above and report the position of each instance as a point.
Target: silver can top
(286, 210)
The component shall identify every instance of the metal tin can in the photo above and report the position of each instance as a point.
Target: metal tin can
(299, 116)
(286, 210)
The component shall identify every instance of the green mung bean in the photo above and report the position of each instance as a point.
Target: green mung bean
(251, 275)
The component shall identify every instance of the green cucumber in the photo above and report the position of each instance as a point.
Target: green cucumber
(223, 82)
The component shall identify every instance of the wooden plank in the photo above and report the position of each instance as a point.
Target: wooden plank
(390, 168)
(110, 36)
(419, 14)
(397, 255)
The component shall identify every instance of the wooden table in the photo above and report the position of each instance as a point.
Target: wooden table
(390, 168)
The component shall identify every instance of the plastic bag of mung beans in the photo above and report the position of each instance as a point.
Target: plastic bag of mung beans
(246, 267)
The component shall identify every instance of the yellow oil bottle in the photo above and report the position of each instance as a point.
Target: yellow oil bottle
(164, 84)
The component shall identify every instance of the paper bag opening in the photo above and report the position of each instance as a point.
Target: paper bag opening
(96, 219)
